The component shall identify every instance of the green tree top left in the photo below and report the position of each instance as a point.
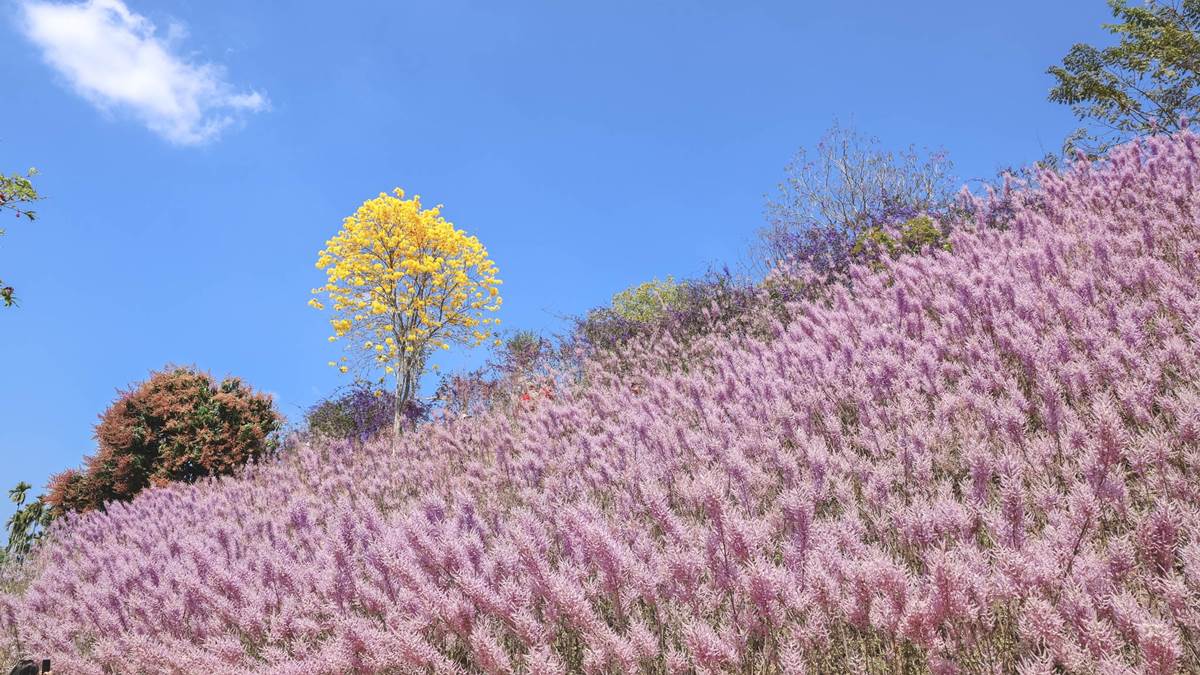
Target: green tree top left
(16, 195)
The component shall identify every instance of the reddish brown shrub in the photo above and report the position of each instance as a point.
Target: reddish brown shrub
(179, 425)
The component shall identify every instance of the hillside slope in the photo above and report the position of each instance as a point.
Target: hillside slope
(981, 457)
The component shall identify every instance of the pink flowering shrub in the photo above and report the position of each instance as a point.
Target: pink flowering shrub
(974, 461)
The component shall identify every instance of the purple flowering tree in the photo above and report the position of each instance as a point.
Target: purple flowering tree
(844, 186)
(357, 413)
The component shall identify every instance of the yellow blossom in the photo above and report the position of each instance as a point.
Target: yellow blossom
(403, 280)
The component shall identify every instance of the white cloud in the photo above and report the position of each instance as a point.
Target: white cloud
(113, 58)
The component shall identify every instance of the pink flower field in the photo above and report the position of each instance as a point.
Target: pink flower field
(977, 461)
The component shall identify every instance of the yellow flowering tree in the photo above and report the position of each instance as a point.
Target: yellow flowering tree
(402, 281)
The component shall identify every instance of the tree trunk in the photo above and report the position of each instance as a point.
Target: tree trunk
(399, 407)
(408, 378)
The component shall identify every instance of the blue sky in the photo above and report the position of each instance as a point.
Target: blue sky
(195, 157)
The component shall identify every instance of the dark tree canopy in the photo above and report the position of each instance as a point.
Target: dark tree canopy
(179, 425)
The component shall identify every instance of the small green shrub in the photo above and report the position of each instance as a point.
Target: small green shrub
(649, 301)
(912, 236)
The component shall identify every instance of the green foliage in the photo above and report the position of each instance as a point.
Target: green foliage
(522, 353)
(648, 301)
(679, 313)
(647, 308)
(1144, 84)
(180, 425)
(522, 341)
(25, 526)
(16, 193)
(912, 236)
(637, 310)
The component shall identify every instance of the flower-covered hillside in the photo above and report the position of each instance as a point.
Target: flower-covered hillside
(973, 461)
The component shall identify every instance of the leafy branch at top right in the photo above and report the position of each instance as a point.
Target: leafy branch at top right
(1147, 83)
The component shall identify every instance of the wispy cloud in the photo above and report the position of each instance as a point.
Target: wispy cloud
(114, 58)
